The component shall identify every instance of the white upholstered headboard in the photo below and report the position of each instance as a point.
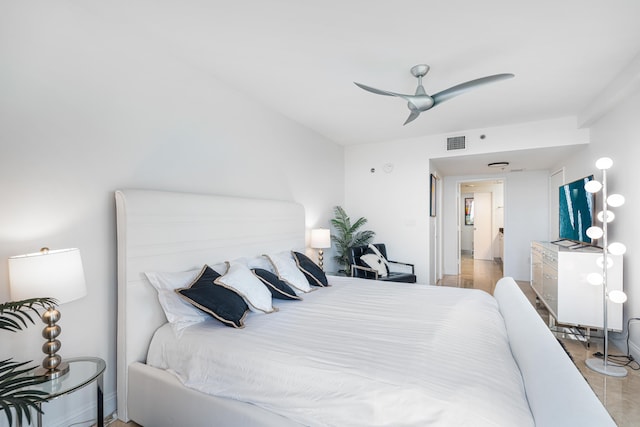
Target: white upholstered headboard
(167, 231)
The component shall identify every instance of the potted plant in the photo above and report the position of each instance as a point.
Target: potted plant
(347, 235)
(15, 377)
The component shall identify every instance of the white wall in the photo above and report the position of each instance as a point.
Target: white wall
(86, 110)
(617, 135)
(397, 203)
(525, 219)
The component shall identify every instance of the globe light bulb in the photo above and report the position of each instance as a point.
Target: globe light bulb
(617, 248)
(604, 163)
(615, 200)
(595, 279)
(617, 296)
(595, 232)
(592, 186)
(610, 216)
(600, 262)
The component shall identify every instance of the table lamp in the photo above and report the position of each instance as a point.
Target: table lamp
(320, 239)
(56, 274)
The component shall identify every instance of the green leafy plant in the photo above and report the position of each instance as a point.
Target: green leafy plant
(15, 377)
(347, 235)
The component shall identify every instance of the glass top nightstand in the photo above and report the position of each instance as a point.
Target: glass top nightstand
(82, 371)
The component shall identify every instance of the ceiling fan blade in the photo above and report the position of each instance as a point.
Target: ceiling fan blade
(379, 91)
(412, 116)
(456, 90)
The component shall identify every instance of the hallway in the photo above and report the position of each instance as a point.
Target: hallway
(477, 274)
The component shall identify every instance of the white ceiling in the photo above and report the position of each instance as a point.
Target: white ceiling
(519, 161)
(301, 57)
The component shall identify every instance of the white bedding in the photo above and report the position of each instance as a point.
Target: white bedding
(360, 353)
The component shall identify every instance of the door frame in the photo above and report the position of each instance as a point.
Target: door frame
(460, 208)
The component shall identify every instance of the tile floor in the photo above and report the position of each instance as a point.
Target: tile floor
(619, 395)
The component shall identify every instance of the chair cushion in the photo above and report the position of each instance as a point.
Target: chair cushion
(400, 277)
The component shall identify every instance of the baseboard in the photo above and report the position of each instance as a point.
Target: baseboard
(634, 350)
(620, 341)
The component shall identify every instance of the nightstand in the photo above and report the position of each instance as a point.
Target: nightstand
(336, 273)
(82, 372)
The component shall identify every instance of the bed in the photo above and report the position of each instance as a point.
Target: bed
(470, 354)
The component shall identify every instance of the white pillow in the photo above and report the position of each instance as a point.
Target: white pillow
(178, 311)
(220, 268)
(284, 266)
(375, 250)
(256, 262)
(373, 261)
(381, 264)
(244, 282)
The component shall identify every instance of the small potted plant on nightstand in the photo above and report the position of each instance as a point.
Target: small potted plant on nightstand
(16, 376)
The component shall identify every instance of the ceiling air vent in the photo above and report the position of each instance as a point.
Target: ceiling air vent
(456, 143)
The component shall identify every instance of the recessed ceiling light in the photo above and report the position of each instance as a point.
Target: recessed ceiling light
(498, 164)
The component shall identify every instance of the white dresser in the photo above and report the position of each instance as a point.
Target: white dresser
(559, 279)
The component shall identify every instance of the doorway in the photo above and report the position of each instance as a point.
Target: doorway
(481, 222)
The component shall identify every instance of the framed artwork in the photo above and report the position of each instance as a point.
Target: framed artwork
(468, 211)
(432, 195)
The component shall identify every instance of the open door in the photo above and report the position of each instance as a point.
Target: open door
(482, 227)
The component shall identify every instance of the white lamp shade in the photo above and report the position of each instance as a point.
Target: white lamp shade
(47, 274)
(600, 262)
(610, 216)
(604, 163)
(320, 238)
(615, 200)
(595, 232)
(617, 248)
(618, 297)
(593, 186)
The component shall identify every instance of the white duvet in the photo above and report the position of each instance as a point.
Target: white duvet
(360, 353)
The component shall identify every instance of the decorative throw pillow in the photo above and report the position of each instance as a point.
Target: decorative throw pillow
(279, 289)
(179, 312)
(374, 259)
(314, 274)
(286, 269)
(255, 294)
(222, 303)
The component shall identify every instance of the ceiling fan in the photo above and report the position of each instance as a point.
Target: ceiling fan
(420, 101)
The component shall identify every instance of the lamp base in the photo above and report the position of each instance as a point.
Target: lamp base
(50, 374)
(609, 369)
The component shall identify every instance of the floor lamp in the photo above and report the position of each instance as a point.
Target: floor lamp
(605, 216)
